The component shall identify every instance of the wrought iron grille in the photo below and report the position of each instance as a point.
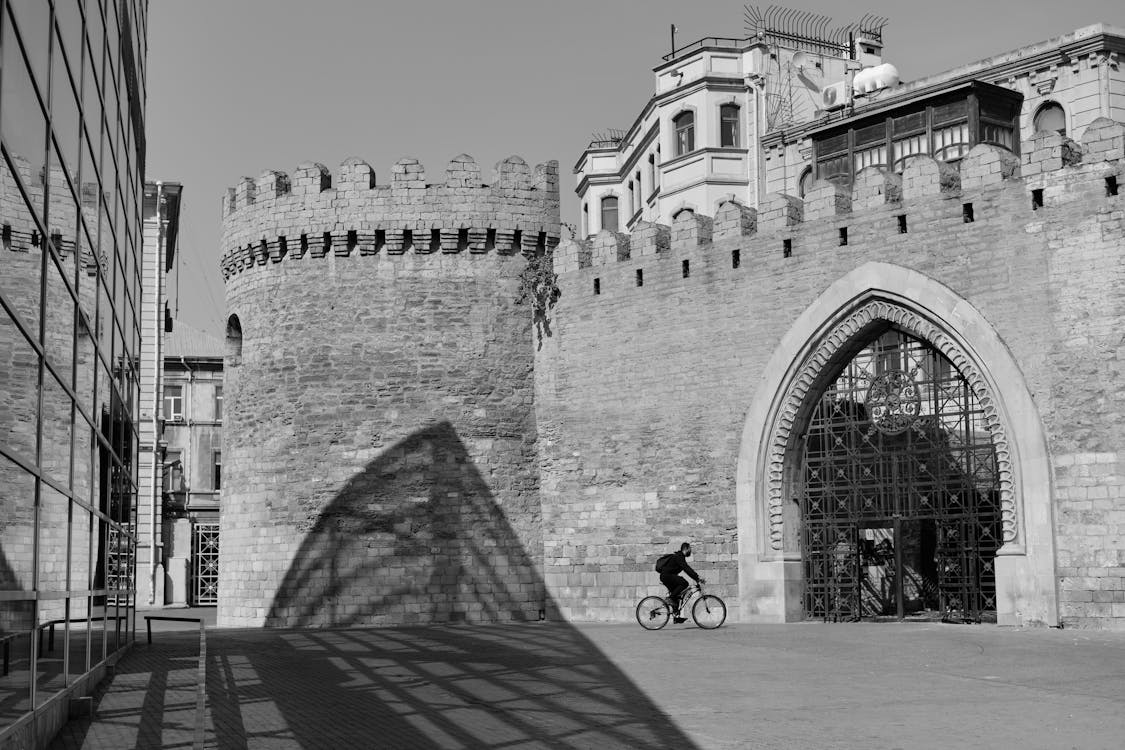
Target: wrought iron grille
(205, 563)
(897, 453)
(119, 564)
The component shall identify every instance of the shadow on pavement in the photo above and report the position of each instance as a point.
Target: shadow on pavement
(450, 686)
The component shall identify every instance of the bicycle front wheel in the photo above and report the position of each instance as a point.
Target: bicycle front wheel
(653, 613)
(709, 612)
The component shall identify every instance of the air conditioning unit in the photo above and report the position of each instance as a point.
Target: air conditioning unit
(834, 96)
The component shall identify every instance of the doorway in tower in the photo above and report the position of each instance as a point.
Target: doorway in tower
(898, 489)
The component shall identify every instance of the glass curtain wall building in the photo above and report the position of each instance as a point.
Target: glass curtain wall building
(72, 93)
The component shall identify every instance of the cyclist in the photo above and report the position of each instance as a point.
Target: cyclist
(670, 566)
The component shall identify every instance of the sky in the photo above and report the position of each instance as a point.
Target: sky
(236, 87)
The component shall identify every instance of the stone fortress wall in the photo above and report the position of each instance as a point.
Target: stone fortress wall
(379, 426)
(403, 449)
(665, 396)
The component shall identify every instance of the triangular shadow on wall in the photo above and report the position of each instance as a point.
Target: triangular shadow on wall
(415, 537)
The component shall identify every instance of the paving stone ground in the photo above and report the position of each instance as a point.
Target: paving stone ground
(554, 685)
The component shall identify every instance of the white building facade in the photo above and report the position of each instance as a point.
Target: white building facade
(730, 119)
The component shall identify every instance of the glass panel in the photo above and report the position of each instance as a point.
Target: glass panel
(609, 214)
(34, 19)
(19, 373)
(871, 157)
(685, 133)
(62, 225)
(69, 21)
(909, 146)
(15, 686)
(59, 329)
(105, 308)
(57, 430)
(836, 166)
(84, 443)
(728, 127)
(17, 534)
(1050, 118)
(23, 127)
(997, 134)
(79, 641)
(98, 612)
(53, 528)
(64, 116)
(951, 142)
(91, 114)
(17, 616)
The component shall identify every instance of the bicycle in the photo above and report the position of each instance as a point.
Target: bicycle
(708, 610)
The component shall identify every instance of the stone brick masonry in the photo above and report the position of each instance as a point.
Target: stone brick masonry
(380, 435)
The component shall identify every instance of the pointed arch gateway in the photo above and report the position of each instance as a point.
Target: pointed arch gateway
(893, 458)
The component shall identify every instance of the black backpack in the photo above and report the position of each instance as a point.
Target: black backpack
(662, 561)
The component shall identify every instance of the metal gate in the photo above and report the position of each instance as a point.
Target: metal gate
(900, 504)
(205, 563)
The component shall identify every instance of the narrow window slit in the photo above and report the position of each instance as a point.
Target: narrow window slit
(1111, 185)
(901, 223)
(685, 268)
(843, 236)
(787, 248)
(597, 286)
(640, 277)
(735, 258)
(967, 213)
(1036, 199)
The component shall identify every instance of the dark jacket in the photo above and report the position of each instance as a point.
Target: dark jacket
(677, 564)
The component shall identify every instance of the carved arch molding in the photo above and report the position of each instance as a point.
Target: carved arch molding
(814, 364)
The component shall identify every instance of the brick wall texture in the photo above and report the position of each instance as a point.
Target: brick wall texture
(621, 435)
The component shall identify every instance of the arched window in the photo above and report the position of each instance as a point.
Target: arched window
(1050, 118)
(806, 182)
(609, 213)
(728, 126)
(684, 124)
(234, 341)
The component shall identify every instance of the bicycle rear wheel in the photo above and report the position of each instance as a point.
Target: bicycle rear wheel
(709, 612)
(653, 613)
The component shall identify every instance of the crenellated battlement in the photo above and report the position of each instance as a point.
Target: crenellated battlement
(279, 215)
(1047, 163)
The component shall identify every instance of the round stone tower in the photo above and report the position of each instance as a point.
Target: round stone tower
(379, 428)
